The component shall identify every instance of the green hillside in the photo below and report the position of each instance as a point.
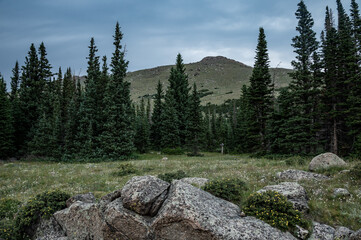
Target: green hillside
(218, 78)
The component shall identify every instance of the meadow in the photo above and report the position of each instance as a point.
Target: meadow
(22, 180)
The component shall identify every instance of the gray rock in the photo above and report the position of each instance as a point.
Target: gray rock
(110, 197)
(191, 213)
(80, 221)
(144, 195)
(301, 232)
(195, 181)
(343, 233)
(341, 192)
(297, 175)
(293, 191)
(121, 223)
(85, 198)
(356, 235)
(322, 232)
(49, 229)
(325, 160)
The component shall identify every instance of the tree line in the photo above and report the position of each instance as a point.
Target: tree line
(62, 118)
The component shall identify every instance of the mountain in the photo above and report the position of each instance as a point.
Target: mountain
(217, 78)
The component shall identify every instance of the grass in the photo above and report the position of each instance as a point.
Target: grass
(22, 180)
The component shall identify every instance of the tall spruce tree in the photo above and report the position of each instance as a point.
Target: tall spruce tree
(304, 86)
(6, 130)
(260, 93)
(118, 136)
(142, 129)
(156, 125)
(195, 121)
(89, 109)
(170, 137)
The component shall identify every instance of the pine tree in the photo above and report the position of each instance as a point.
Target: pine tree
(118, 135)
(169, 122)
(141, 140)
(178, 83)
(6, 130)
(17, 115)
(89, 109)
(260, 93)
(156, 126)
(304, 86)
(195, 121)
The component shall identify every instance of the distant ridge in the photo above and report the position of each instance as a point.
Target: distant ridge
(218, 78)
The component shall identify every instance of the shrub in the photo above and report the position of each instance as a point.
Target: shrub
(355, 172)
(230, 189)
(41, 206)
(8, 208)
(173, 151)
(168, 177)
(126, 169)
(274, 208)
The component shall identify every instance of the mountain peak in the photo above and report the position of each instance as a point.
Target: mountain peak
(210, 60)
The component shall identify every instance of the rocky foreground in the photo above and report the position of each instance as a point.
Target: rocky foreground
(149, 208)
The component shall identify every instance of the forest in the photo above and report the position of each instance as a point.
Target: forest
(58, 117)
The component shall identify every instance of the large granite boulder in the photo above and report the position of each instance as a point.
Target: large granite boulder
(49, 229)
(342, 233)
(298, 175)
(322, 232)
(144, 195)
(293, 191)
(80, 221)
(86, 198)
(356, 235)
(195, 181)
(325, 160)
(190, 213)
(121, 223)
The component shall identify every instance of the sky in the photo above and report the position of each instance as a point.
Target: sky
(155, 31)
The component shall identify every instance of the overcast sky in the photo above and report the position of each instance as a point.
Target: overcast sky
(154, 30)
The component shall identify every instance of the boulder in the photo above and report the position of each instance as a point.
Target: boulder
(341, 192)
(49, 229)
(80, 221)
(195, 181)
(144, 195)
(297, 175)
(325, 160)
(121, 223)
(322, 232)
(342, 233)
(191, 213)
(293, 191)
(85, 198)
(301, 233)
(356, 235)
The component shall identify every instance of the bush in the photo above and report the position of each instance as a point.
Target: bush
(355, 172)
(228, 189)
(168, 177)
(126, 169)
(8, 209)
(274, 208)
(173, 151)
(41, 206)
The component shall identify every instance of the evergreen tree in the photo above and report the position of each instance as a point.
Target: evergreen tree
(178, 83)
(195, 121)
(89, 109)
(156, 132)
(6, 130)
(141, 140)
(118, 135)
(17, 116)
(260, 93)
(169, 122)
(304, 85)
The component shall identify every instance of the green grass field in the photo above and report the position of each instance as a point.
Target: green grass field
(22, 180)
